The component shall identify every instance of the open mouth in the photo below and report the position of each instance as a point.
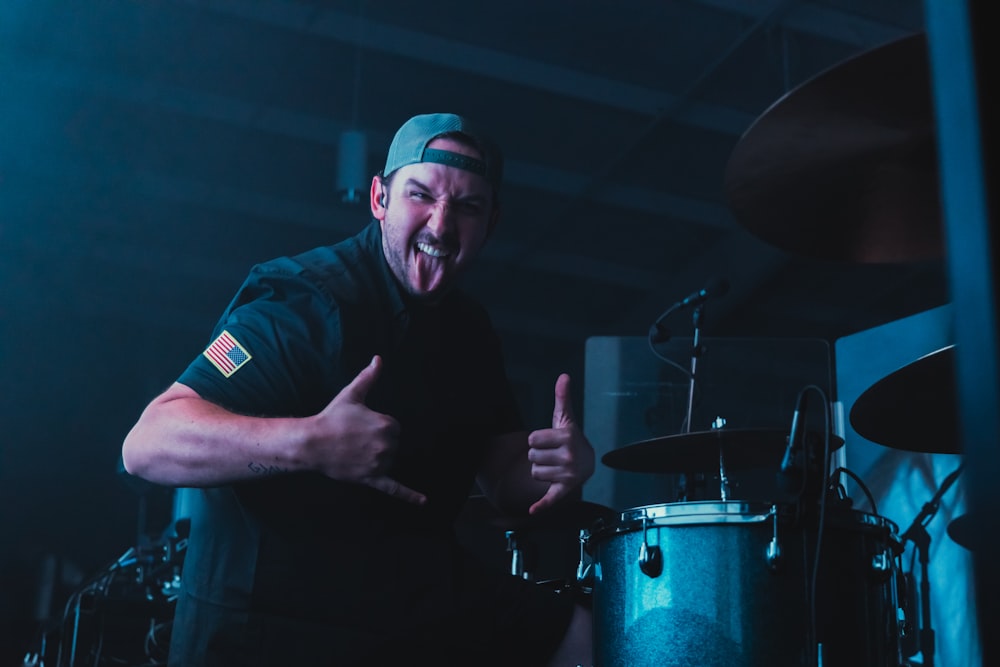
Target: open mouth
(439, 253)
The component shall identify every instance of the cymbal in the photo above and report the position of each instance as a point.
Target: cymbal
(573, 514)
(699, 451)
(964, 531)
(844, 166)
(913, 408)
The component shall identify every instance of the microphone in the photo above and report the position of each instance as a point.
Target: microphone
(790, 477)
(792, 449)
(718, 287)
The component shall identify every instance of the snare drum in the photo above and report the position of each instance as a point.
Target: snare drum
(728, 584)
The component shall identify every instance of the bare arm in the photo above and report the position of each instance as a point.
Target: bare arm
(538, 469)
(183, 440)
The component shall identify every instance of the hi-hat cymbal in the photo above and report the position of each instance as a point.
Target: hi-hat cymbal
(741, 449)
(844, 167)
(912, 408)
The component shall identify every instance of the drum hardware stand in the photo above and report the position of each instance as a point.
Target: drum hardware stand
(917, 533)
(697, 350)
(723, 477)
(658, 333)
(516, 556)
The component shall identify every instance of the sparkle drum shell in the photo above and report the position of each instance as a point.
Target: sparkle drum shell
(712, 595)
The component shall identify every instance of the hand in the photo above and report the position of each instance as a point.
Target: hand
(354, 443)
(560, 455)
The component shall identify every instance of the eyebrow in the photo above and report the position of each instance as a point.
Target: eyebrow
(468, 198)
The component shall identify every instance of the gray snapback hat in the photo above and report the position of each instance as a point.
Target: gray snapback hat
(409, 146)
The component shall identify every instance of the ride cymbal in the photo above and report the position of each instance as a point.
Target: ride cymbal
(844, 167)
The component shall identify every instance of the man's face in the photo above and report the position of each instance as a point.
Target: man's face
(434, 222)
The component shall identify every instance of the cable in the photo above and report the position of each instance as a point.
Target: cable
(671, 362)
(804, 466)
(822, 519)
(860, 483)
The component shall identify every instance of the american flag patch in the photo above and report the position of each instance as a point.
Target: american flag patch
(227, 354)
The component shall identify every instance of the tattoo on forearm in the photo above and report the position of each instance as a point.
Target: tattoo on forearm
(263, 469)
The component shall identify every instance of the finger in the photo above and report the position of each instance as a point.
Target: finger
(358, 388)
(551, 497)
(549, 452)
(562, 414)
(546, 438)
(393, 488)
(544, 472)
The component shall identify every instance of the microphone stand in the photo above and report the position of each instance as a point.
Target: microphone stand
(917, 533)
(696, 352)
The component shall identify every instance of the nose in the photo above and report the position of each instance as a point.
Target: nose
(442, 218)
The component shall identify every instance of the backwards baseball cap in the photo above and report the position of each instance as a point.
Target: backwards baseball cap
(409, 146)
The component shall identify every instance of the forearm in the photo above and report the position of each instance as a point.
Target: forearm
(184, 440)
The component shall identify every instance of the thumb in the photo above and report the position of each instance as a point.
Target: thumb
(562, 415)
(357, 390)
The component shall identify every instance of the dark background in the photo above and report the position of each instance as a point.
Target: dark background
(151, 151)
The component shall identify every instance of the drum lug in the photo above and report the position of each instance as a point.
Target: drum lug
(774, 554)
(516, 556)
(882, 563)
(774, 551)
(584, 575)
(904, 628)
(650, 557)
(650, 560)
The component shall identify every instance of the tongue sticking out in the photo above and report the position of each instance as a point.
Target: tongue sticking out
(430, 266)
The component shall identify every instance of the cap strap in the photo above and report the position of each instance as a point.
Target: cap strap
(455, 160)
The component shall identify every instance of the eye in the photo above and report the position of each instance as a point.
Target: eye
(470, 207)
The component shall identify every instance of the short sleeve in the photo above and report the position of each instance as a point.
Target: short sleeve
(273, 351)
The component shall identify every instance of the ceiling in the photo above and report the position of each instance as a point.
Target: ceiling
(152, 151)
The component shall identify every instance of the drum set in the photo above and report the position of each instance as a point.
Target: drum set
(804, 579)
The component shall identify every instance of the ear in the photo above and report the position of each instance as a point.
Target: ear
(377, 198)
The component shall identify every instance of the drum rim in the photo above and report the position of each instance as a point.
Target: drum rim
(715, 512)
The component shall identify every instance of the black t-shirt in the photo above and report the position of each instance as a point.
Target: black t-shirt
(303, 546)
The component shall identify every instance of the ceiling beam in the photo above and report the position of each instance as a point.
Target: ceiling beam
(59, 75)
(448, 53)
(809, 18)
(105, 175)
(818, 20)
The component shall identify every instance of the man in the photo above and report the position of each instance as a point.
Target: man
(350, 400)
